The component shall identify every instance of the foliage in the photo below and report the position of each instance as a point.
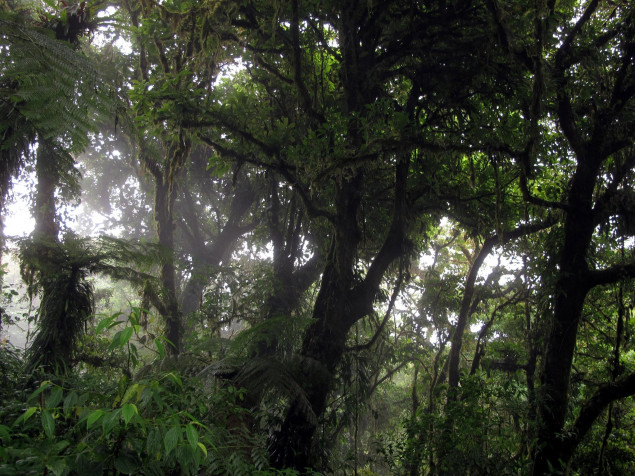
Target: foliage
(60, 272)
(162, 422)
(483, 437)
(391, 237)
(48, 90)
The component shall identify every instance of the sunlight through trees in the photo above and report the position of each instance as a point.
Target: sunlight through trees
(318, 237)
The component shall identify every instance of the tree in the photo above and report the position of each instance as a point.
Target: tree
(51, 91)
(207, 239)
(350, 125)
(583, 77)
(171, 80)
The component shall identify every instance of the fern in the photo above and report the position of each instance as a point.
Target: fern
(262, 374)
(59, 272)
(47, 90)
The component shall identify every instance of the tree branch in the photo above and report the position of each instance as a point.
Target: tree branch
(564, 52)
(297, 64)
(381, 327)
(150, 165)
(528, 197)
(396, 242)
(603, 396)
(610, 275)
(468, 294)
(283, 169)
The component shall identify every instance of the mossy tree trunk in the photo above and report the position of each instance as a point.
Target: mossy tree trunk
(166, 175)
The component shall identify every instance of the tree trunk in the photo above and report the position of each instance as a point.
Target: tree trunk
(46, 227)
(207, 258)
(325, 339)
(165, 177)
(43, 350)
(164, 222)
(340, 303)
(570, 292)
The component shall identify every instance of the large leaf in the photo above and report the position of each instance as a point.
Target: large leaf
(128, 411)
(93, 418)
(171, 439)
(192, 435)
(48, 423)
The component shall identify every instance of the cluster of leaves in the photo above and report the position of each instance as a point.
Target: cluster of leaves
(478, 433)
(41, 91)
(90, 422)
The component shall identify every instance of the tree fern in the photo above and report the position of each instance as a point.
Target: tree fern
(262, 375)
(59, 271)
(47, 90)
(67, 301)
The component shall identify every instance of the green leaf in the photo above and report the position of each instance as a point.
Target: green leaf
(4, 432)
(48, 423)
(57, 466)
(107, 322)
(126, 462)
(93, 418)
(121, 338)
(202, 447)
(171, 439)
(175, 379)
(135, 316)
(110, 421)
(160, 347)
(128, 411)
(26, 415)
(115, 341)
(69, 403)
(61, 446)
(126, 334)
(134, 388)
(192, 435)
(43, 386)
(54, 398)
(153, 442)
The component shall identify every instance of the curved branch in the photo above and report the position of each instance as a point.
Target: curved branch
(283, 169)
(381, 327)
(396, 242)
(462, 320)
(603, 396)
(564, 52)
(528, 197)
(610, 275)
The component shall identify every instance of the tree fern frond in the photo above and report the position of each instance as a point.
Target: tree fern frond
(263, 374)
(53, 87)
(59, 270)
(275, 330)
